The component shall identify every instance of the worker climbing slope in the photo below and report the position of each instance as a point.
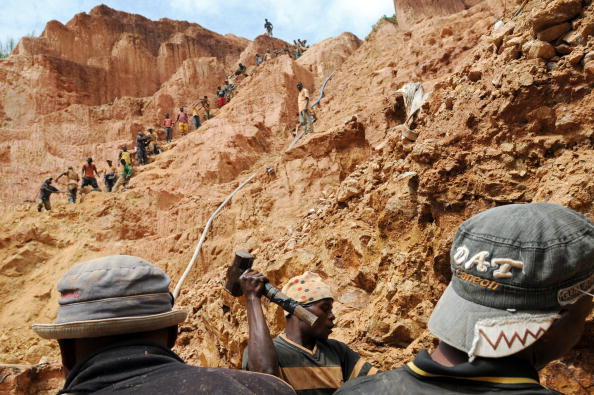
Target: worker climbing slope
(72, 185)
(110, 176)
(89, 171)
(305, 116)
(182, 121)
(168, 126)
(125, 175)
(45, 192)
(196, 114)
(141, 143)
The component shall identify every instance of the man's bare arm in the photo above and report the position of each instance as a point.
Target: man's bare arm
(261, 352)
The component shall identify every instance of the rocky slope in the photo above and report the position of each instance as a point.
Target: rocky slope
(410, 12)
(370, 211)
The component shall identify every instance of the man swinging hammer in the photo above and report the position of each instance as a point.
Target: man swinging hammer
(303, 355)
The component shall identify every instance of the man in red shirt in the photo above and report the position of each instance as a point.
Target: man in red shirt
(168, 125)
(88, 174)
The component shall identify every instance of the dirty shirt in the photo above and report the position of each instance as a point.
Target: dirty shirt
(318, 371)
(302, 100)
(143, 367)
(125, 155)
(46, 190)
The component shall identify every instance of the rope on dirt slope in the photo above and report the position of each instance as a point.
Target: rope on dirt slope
(180, 283)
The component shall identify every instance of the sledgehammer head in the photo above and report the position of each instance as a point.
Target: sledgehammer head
(243, 261)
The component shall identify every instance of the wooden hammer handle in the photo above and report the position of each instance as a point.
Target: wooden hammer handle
(289, 305)
(305, 315)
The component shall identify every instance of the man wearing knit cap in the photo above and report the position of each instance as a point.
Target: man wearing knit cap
(116, 326)
(303, 355)
(520, 293)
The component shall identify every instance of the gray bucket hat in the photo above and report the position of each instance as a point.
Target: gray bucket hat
(514, 268)
(110, 296)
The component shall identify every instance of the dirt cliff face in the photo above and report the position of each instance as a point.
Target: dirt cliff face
(371, 211)
(100, 56)
(409, 12)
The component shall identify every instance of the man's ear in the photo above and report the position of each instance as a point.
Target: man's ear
(171, 336)
(68, 351)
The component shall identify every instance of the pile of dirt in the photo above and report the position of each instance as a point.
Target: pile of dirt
(370, 201)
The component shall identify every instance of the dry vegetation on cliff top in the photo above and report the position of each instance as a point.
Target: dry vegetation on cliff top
(371, 212)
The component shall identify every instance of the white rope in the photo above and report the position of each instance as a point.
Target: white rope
(180, 283)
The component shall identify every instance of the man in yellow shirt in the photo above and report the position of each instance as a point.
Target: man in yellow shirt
(125, 155)
(305, 117)
(196, 115)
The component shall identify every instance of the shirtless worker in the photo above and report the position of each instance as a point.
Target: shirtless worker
(205, 103)
(110, 176)
(72, 185)
(88, 175)
(305, 117)
(196, 115)
(303, 355)
(182, 119)
(45, 192)
(151, 138)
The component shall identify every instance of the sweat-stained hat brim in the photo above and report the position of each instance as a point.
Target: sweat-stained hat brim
(110, 326)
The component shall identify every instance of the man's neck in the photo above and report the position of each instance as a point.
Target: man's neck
(447, 355)
(296, 336)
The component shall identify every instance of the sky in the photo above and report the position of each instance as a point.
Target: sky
(313, 20)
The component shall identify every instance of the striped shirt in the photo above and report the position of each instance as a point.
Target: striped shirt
(319, 371)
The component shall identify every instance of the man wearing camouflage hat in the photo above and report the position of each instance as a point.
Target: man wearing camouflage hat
(519, 297)
(303, 356)
(116, 326)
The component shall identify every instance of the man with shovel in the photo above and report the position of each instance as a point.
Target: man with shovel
(303, 355)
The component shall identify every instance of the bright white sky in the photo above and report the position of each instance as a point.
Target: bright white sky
(313, 20)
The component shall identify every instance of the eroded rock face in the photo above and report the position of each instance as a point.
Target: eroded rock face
(264, 46)
(408, 12)
(100, 56)
(328, 55)
(374, 214)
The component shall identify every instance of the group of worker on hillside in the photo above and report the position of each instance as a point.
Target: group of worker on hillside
(147, 145)
(520, 293)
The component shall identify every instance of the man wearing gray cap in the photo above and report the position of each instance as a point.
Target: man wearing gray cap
(521, 291)
(116, 327)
